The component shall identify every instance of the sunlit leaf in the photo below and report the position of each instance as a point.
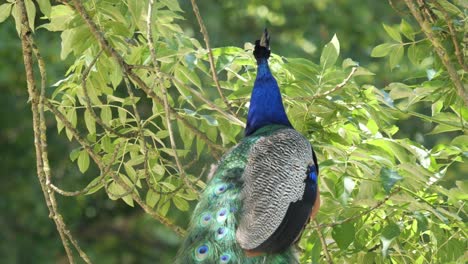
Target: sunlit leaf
(393, 33)
(389, 178)
(5, 10)
(330, 53)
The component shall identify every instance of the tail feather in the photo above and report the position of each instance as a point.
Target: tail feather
(212, 232)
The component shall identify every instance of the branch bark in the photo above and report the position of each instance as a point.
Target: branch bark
(440, 50)
(40, 136)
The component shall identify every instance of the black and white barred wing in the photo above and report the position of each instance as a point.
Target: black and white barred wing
(273, 179)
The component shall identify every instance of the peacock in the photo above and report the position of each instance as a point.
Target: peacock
(263, 191)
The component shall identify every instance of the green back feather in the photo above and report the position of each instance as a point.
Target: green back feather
(212, 233)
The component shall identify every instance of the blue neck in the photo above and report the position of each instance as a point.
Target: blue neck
(266, 105)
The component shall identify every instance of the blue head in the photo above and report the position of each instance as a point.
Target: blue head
(266, 105)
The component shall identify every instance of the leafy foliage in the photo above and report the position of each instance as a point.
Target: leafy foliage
(146, 125)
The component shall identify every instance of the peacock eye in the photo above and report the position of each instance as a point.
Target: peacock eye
(225, 258)
(222, 215)
(202, 252)
(205, 219)
(221, 232)
(220, 189)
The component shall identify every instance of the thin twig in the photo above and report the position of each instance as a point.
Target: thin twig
(99, 163)
(336, 88)
(165, 101)
(89, 187)
(89, 107)
(210, 54)
(324, 243)
(213, 106)
(355, 216)
(440, 50)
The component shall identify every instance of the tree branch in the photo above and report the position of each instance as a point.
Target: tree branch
(40, 136)
(165, 101)
(210, 54)
(127, 70)
(324, 243)
(458, 53)
(440, 50)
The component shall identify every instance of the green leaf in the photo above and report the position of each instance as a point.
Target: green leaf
(413, 54)
(349, 63)
(172, 5)
(83, 161)
(450, 7)
(122, 115)
(74, 154)
(210, 120)
(164, 206)
(393, 33)
(330, 53)
(152, 198)
(399, 90)
(31, 11)
(343, 235)
(59, 17)
(44, 6)
(382, 50)
(5, 11)
(106, 144)
(422, 221)
(186, 76)
(97, 184)
(461, 141)
(389, 178)
(16, 15)
(181, 204)
(90, 122)
(106, 114)
(407, 30)
(389, 233)
(442, 128)
(114, 190)
(130, 172)
(67, 37)
(200, 146)
(128, 199)
(396, 55)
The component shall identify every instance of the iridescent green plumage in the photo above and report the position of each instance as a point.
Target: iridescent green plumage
(264, 189)
(212, 232)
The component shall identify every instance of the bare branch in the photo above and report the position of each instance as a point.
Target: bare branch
(210, 53)
(324, 243)
(40, 137)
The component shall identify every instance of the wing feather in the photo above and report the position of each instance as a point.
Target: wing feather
(273, 179)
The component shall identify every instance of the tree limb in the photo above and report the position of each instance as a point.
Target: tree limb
(440, 50)
(210, 54)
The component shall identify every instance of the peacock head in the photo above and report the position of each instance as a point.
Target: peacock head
(262, 47)
(266, 105)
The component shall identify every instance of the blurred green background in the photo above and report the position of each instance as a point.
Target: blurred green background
(299, 28)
